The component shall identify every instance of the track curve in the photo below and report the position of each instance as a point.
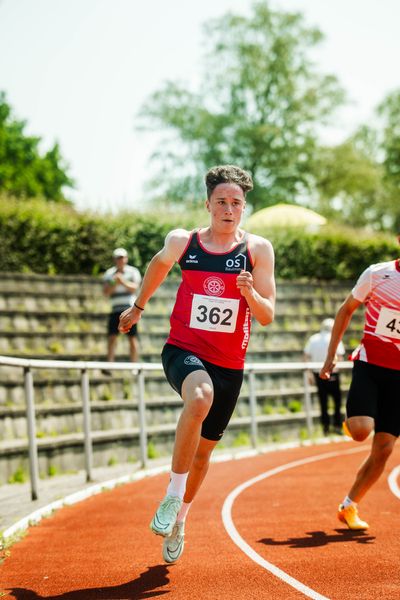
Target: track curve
(102, 548)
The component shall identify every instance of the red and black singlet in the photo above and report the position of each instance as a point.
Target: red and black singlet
(210, 317)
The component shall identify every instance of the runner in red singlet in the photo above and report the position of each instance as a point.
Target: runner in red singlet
(227, 278)
(374, 396)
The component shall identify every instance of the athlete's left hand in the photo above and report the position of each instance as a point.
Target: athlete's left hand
(245, 283)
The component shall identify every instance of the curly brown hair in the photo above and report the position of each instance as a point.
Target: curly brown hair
(228, 174)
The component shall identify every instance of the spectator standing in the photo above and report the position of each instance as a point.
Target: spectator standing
(120, 284)
(315, 351)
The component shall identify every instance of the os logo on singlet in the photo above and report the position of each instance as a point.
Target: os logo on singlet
(214, 286)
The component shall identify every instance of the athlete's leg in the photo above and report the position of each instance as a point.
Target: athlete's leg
(197, 395)
(199, 468)
(373, 466)
(174, 544)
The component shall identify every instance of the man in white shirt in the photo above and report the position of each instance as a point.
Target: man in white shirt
(120, 284)
(315, 351)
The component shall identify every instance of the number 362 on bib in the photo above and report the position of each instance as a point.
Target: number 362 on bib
(214, 314)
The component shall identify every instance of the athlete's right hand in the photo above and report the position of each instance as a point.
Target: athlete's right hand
(129, 317)
(327, 368)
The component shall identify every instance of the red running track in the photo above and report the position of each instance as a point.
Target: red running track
(102, 549)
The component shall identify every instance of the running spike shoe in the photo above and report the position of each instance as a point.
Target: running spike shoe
(173, 544)
(349, 515)
(165, 517)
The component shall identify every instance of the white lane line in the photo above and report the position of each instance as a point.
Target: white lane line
(393, 481)
(246, 548)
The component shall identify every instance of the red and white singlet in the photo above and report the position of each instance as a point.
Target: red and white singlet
(379, 288)
(210, 317)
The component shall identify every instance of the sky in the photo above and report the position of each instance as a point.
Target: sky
(78, 71)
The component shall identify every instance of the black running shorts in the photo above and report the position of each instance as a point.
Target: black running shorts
(179, 363)
(375, 392)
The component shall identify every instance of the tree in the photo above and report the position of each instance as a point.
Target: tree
(258, 105)
(389, 111)
(24, 172)
(358, 181)
(349, 183)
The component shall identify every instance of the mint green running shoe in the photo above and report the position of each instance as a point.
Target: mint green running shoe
(173, 544)
(165, 517)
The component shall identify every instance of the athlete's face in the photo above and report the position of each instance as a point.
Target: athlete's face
(226, 205)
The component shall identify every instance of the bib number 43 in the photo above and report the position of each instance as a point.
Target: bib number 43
(394, 326)
(388, 323)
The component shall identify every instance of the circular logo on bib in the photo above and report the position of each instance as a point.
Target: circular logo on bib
(192, 360)
(214, 286)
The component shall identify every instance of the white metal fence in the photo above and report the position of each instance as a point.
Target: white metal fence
(138, 373)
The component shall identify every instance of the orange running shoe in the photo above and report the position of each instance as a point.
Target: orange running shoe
(349, 515)
(346, 430)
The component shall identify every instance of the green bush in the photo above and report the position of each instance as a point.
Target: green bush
(295, 406)
(241, 439)
(19, 476)
(330, 254)
(45, 237)
(152, 451)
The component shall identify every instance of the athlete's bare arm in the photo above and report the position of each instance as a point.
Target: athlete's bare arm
(342, 320)
(258, 287)
(157, 270)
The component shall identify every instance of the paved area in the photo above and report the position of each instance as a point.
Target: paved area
(15, 499)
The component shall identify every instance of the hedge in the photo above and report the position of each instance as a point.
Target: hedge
(44, 237)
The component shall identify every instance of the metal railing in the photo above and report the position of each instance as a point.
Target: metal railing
(138, 372)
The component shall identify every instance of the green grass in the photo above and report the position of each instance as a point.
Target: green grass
(152, 451)
(19, 476)
(295, 406)
(242, 439)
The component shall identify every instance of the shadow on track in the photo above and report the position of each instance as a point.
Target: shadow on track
(145, 586)
(320, 538)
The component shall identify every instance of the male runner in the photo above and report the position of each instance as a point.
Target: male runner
(227, 277)
(374, 397)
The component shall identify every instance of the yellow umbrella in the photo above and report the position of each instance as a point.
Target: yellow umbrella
(285, 215)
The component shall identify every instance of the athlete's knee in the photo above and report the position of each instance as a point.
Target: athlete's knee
(360, 435)
(382, 449)
(360, 427)
(200, 405)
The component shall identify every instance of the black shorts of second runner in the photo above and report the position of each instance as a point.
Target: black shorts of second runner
(375, 392)
(113, 322)
(179, 363)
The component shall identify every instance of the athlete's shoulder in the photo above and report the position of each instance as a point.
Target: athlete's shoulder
(178, 237)
(390, 266)
(259, 246)
(175, 243)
